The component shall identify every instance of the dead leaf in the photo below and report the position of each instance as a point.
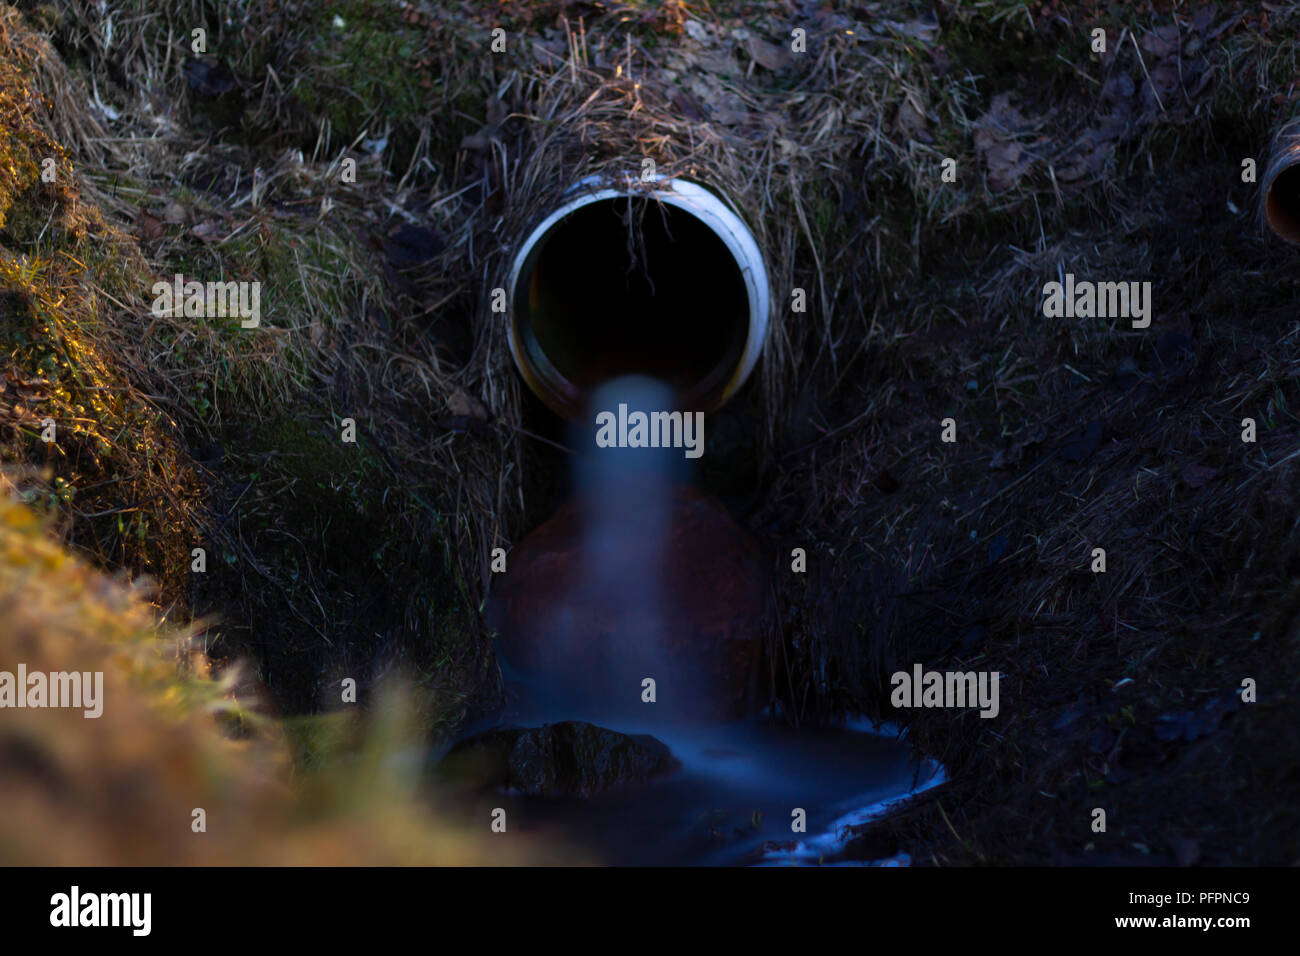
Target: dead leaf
(1006, 164)
(698, 32)
(995, 134)
(1197, 722)
(175, 213)
(463, 405)
(686, 105)
(1088, 158)
(1120, 86)
(148, 226)
(768, 55)
(1166, 78)
(726, 108)
(209, 230)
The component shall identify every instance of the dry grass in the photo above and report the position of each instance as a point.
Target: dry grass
(976, 555)
(343, 336)
(121, 788)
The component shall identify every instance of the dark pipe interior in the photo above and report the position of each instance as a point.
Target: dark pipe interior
(636, 287)
(1282, 204)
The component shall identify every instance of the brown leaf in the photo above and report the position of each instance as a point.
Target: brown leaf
(463, 405)
(995, 134)
(175, 213)
(209, 230)
(148, 226)
(698, 32)
(686, 105)
(768, 55)
(710, 61)
(726, 108)
(1006, 165)
(1088, 158)
(1006, 457)
(1004, 116)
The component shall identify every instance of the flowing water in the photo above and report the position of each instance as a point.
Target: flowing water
(742, 785)
(735, 797)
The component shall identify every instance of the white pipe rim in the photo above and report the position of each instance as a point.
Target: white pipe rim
(692, 198)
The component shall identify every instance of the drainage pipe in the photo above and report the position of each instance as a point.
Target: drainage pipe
(659, 278)
(1281, 186)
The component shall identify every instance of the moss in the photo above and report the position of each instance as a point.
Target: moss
(113, 476)
(111, 447)
(386, 70)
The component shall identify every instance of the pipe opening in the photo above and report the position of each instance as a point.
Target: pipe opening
(666, 284)
(1282, 204)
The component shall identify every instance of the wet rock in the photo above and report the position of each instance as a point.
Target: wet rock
(567, 759)
(562, 621)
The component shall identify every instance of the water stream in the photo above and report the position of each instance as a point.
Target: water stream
(747, 791)
(735, 797)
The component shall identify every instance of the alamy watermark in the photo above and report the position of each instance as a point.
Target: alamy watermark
(84, 690)
(1098, 300)
(196, 300)
(74, 908)
(651, 430)
(923, 688)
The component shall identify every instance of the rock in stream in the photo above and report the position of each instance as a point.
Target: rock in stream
(566, 759)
